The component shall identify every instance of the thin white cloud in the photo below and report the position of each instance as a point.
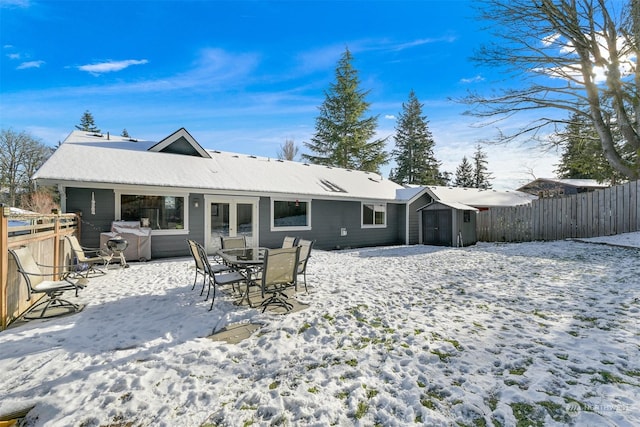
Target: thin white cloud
(390, 117)
(15, 3)
(111, 66)
(422, 42)
(13, 56)
(475, 79)
(30, 64)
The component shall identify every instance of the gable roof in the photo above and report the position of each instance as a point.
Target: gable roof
(87, 160)
(180, 142)
(480, 198)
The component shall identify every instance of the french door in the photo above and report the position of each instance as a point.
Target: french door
(230, 216)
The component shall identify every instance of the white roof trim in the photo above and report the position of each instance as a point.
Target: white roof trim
(454, 205)
(180, 133)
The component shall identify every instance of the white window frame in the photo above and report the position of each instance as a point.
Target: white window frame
(377, 207)
(174, 232)
(290, 199)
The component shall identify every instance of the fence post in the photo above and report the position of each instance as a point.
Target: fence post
(4, 264)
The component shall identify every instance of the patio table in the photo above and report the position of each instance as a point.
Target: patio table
(244, 260)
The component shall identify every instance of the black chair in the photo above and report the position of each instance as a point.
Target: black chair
(218, 275)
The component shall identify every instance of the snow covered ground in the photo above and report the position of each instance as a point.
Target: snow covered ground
(493, 334)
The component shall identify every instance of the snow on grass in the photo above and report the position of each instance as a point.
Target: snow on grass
(493, 334)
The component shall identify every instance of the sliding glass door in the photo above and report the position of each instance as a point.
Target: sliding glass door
(230, 216)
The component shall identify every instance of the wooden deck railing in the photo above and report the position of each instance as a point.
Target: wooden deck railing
(44, 235)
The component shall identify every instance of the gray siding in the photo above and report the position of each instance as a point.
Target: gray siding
(415, 217)
(328, 217)
(79, 201)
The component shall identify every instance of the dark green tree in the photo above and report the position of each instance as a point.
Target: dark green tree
(125, 133)
(342, 131)
(464, 174)
(87, 123)
(582, 156)
(481, 175)
(415, 161)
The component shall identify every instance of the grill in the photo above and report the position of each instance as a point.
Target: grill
(118, 245)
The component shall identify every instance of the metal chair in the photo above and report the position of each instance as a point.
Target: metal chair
(236, 242)
(36, 283)
(289, 242)
(218, 275)
(279, 272)
(305, 254)
(203, 266)
(89, 257)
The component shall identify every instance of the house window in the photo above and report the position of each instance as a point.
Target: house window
(374, 215)
(466, 216)
(290, 214)
(162, 212)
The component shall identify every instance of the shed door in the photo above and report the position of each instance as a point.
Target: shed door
(436, 227)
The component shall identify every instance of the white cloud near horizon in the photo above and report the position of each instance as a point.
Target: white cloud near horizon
(475, 79)
(111, 66)
(30, 64)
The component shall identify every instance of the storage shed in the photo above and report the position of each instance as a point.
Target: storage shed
(448, 224)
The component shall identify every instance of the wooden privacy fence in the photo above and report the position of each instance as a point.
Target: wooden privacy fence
(602, 212)
(44, 235)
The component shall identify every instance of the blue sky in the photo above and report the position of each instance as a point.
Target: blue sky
(245, 76)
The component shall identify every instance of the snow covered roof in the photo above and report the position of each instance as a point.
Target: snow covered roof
(578, 183)
(86, 158)
(480, 198)
(454, 205)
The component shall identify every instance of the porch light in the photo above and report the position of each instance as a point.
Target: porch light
(196, 203)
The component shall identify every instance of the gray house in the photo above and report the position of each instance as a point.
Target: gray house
(181, 191)
(184, 191)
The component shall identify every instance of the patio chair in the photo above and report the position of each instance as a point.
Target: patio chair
(279, 272)
(203, 265)
(305, 254)
(89, 257)
(218, 276)
(289, 242)
(237, 242)
(199, 264)
(36, 283)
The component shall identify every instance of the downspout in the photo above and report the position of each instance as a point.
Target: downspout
(62, 191)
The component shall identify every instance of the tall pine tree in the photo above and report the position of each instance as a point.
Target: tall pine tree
(582, 156)
(87, 123)
(481, 175)
(413, 153)
(342, 131)
(464, 174)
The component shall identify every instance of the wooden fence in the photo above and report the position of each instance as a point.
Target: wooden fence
(44, 235)
(603, 212)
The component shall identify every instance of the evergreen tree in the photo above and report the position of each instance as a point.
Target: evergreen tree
(342, 134)
(481, 175)
(413, 153)
(125, 133)
(87, 123)
(464, 174)
(582, 156)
